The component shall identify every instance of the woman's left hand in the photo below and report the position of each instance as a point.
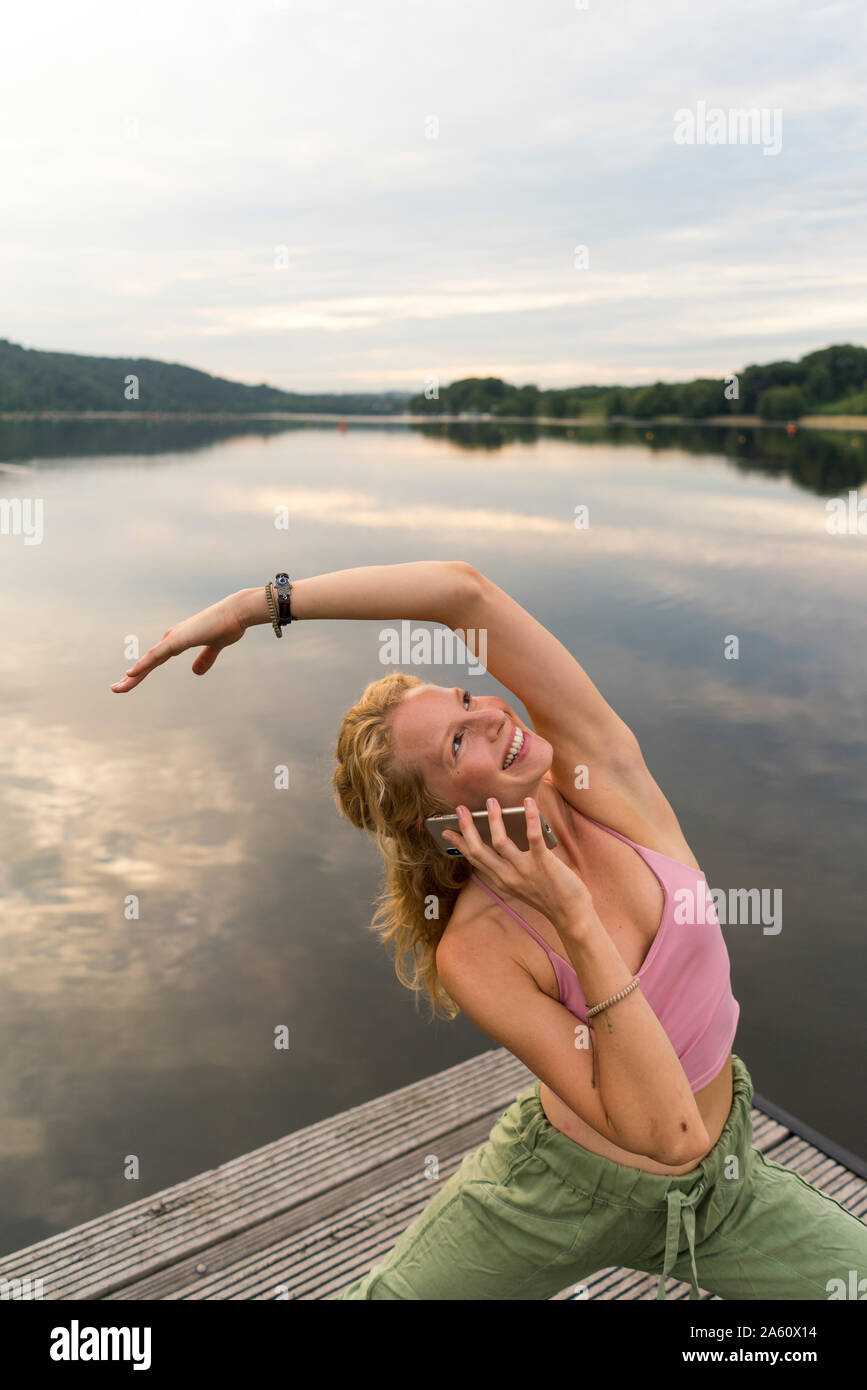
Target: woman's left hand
(212, 629)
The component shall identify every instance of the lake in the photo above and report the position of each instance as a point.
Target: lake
(153, 1035)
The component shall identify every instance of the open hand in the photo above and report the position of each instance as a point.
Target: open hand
(535, 875)
(212, 630)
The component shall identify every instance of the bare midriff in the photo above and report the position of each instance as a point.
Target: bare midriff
(714, 1103)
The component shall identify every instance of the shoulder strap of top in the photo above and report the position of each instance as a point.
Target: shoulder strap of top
(651, 857)
(526, 925)
(618, 833)
(639, 849)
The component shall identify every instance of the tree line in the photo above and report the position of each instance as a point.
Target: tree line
(832, 380)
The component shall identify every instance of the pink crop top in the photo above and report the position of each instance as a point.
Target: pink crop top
(686, 975)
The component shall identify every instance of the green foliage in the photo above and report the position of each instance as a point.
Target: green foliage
(819, 384)
(655, 400)
(32, 380)
(491, 396)
(696, 400)
(617, 402)
(830, 375)
(521, 402)
(755, 381)
(780, 403)
(830, 380)
(846, 366)
(853, 404)
(470, 394)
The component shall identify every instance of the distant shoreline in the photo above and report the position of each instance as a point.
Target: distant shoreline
(806, 422)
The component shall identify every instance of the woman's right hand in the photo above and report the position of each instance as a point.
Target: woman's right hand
(536, 875)
(212, 629)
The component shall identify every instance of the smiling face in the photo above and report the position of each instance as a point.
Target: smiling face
(461, 742)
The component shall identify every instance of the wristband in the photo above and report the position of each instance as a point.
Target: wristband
(283, 591)
(269, 595)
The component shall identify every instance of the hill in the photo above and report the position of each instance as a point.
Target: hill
(31, 379)
(829, 381)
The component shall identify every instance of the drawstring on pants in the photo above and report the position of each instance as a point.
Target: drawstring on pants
(681, 1206)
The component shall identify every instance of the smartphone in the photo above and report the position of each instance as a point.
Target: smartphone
(514, 821)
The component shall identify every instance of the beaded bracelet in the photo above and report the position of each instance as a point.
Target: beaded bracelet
(272, 610)
(596, 1009)
(606, 1003)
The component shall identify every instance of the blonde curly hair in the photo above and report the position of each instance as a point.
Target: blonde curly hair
(390, 801)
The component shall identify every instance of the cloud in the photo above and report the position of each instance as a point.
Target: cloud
(184, 145)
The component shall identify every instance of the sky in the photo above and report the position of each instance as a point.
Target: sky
(364, 198)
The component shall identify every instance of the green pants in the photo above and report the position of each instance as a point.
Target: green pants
(530, 1213)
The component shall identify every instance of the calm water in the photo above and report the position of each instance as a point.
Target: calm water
(154, 1036)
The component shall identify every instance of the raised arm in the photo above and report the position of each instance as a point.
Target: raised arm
(592, 745)
(563, 704)
(438, 591)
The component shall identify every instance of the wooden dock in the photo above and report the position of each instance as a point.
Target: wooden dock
(302, 1217)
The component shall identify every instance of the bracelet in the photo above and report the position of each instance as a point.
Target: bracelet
(596, 1009)
(606, 1003)
(284, 598)
(272, 610)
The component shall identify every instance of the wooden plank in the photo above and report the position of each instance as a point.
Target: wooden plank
(363, 1235)
(227, 1274)
(353, 1207)
(822, 1172)
(820, 1142)
(303, 1216)
(109, 1252)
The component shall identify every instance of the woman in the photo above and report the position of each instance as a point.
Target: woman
(634, 1144)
